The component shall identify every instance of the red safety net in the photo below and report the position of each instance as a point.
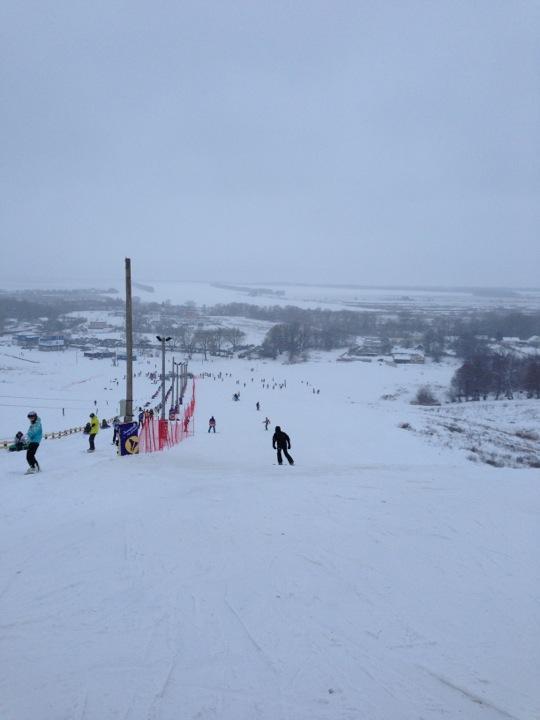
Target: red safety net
(156, 434)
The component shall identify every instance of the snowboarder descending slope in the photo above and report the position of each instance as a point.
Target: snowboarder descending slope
(212, 424)
(282, 443)
(34, 435)
(94, 429)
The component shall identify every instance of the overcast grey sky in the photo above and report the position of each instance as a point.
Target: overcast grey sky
(389, 141)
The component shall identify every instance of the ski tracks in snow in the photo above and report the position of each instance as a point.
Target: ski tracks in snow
(473, 697)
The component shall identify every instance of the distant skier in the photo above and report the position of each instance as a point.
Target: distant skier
(94, 429)
(212, 424)
(266, 423)
(282, 443)
(34, 435)
(258, 405)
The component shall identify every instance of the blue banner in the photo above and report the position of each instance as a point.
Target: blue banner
(129, 438)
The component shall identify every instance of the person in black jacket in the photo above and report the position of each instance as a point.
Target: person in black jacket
(282, 443)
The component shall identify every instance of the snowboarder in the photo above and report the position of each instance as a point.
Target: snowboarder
(94, 429)
(266, 423)
(282, 442)
(33, 435)
(212, 424)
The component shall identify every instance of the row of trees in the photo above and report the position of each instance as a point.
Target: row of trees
(297, 338)
(296, 330)
(193, 339)
(328, 329)
(496, 375)
(48, 309)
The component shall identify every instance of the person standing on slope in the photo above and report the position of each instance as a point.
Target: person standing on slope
(34, 435)
(94, 429)
(116, 430)
(282, 443)
(212, 424)
(266, 422)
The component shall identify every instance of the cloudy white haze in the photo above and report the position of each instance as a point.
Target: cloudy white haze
(345, 142)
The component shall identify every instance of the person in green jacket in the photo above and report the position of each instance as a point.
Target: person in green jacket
(94, 429)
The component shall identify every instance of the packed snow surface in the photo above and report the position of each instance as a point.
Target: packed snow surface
(380, 578)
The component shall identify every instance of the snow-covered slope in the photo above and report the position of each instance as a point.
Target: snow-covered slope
(380, 578)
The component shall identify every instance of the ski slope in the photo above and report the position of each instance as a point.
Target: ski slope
(380, 578)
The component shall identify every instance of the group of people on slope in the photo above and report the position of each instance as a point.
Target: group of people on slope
(34, 435)
(30, 442)
(280, 440)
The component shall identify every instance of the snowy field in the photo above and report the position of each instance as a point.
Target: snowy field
(336, 298)
(383, 577)
(305, 296)
(63, 387)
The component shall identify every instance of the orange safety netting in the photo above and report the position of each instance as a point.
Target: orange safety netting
(156, 434)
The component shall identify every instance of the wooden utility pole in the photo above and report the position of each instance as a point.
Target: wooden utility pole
(128, 417)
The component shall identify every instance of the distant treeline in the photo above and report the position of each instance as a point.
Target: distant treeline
(51, 305)
(300, 329)
(496, 375)
(296, 330)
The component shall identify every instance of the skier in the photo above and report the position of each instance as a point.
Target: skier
(33, 435)
(282, 442)
(94, 429)
(116, 429)
(266, 423)
(212, 424)
(258, 405)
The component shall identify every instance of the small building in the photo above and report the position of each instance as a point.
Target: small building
(98, 354)
(27, 340)
(408, 357)
(369, 347)
(52, 342)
